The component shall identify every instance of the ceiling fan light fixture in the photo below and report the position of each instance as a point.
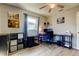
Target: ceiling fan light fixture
(52, 5)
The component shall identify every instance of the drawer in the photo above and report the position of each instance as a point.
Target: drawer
(13, 42)
(13, 48)
(20, 46)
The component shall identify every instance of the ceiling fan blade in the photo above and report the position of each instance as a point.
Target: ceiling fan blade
(50, 10)
(61, 6)
(60, 10)
(43, 6)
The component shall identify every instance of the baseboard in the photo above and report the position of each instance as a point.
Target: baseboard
(75, 48)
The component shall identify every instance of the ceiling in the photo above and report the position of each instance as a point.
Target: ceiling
(34, 7)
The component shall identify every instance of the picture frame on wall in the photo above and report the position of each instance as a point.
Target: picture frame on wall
(13, 20)
(60, 20)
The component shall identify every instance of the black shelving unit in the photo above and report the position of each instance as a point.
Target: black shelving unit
(66, 40)
(15, 41)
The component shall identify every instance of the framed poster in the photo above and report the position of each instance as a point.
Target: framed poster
(13, 20)
(60, 20)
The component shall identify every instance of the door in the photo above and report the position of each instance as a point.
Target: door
(77, 22)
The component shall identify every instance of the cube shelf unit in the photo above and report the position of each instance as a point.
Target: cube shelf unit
(15, 41)
(66, 40)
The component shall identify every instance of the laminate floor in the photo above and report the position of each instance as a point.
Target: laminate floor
(46, 50)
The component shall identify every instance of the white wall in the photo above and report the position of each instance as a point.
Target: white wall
(70, 22)
(4, 19)
(4, 10)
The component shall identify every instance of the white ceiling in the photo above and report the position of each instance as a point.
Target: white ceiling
(34, 7)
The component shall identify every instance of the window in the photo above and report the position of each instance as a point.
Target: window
(32, 25)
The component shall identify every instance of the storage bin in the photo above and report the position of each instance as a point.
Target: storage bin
(13, 48)
(20, 46)
(14, 42)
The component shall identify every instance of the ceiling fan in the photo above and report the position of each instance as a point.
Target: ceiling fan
(51, 6)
